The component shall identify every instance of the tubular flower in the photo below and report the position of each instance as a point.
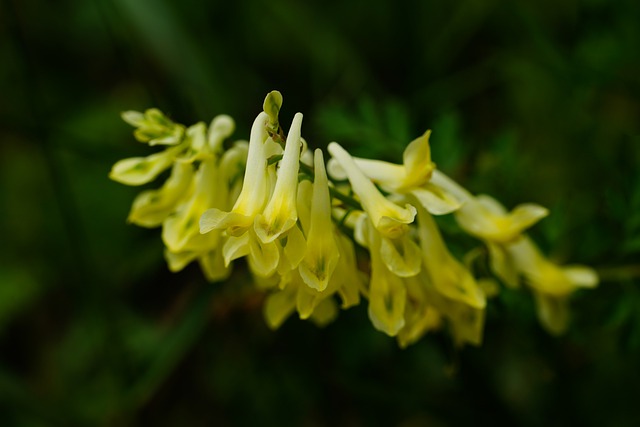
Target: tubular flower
(254, 188)
(449, 277)
(322, 253)
(316, 238)
(551, 283)
(413, 177)
(387, 217)
(181, 231)
(486, 219)
(281, 214)
(150, 208)
(387, 293)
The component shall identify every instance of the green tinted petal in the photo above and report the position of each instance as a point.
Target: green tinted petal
(214, 266)
(235, 247)
(271, 105)
(279, 306)
(141, 170)
(417, 161)
(150, 208)
(134, 118)
(263, 257)
(402, 256)
(325, 312)
(179, 260)
(553, 312)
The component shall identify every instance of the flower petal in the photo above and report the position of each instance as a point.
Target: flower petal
(581, 276)
(279, 306)
(553, 312)
(281, 214)
(402, 256)
(436, 200)
(389, 218)
(140, 170)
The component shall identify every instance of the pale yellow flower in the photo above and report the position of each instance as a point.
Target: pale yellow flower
(552, 284)
(414, 177)
(485, 218)
(388, 218)
(322, 253)
(420, 315)
(448, 275)
(387, 292)
(151, 207)
(280, 214)
(141, 170)
(254, 191)
(319, 307)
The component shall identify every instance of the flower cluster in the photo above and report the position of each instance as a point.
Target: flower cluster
(315, 234)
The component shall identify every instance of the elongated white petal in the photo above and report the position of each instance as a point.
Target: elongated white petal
(254, 189)
(389, 218)
(281, 212)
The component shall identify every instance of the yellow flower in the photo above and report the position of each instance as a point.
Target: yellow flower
(141, 170)
(401, 255)
(486, 219)
(322, 253)
(388, 218)
(181, 231)
(319, 307)
(280, 213)
(151, 207)
(552, 284)
(203, 144)
(254, 188)
(420, 315)
(448, 275)
(387, 293)
(414, 177)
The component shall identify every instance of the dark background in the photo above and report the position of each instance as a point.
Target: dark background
(528, 101)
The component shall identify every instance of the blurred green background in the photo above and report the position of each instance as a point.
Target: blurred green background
(528, 101)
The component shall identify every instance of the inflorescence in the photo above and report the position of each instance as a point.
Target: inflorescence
(306, 228)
